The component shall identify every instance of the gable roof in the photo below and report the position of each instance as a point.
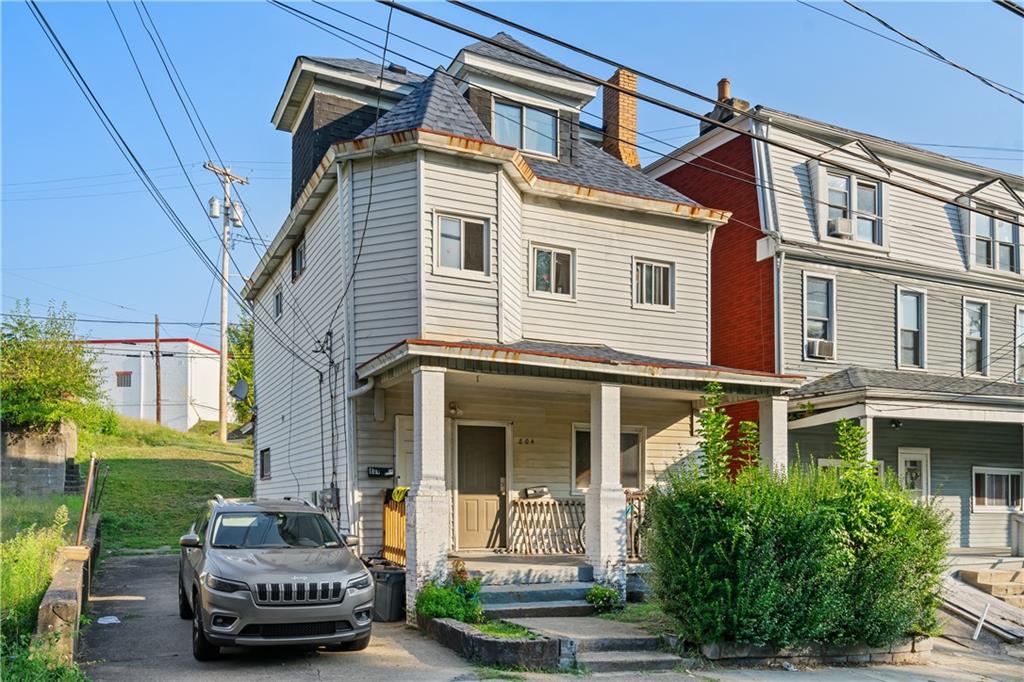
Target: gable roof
(368, 68)
(513, 56)
(999, 182)
(857, 378)
(434, 105)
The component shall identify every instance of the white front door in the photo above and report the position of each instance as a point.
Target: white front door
(914, 469)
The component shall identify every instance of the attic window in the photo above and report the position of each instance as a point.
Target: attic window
(996, 243)
(298, 258)
(526, 128)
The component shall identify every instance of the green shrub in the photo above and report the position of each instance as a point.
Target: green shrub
(25, 570)
(459, 598)
(30, 661)
(603, 598)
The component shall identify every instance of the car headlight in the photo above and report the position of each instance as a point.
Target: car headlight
(225, 585)
(360, 583)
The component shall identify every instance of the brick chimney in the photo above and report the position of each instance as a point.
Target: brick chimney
(619, 111)
(723, 110)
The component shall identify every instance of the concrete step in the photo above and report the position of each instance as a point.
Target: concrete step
(992, 576)
(1015, 600)
(517, 594)
(1001, 589)
(627, 661)
(499, 574)
(537, 609)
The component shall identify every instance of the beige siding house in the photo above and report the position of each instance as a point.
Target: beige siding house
(494, 309)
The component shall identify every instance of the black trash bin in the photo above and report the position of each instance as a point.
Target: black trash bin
(389, 599)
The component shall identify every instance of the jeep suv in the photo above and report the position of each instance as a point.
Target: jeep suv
(268, 572)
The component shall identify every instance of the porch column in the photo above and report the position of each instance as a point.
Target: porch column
(773, 428)
(606, 500)
(426, 521)
(869, 438)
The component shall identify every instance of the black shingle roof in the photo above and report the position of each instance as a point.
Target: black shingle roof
(853, 378)
(368, 68)
(495, 52)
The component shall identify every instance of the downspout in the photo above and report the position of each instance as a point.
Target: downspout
(361, 391)
(780, 260)
(348, 235)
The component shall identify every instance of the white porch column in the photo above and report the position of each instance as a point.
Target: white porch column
(606, 500)
(869, 438)
(426, 521)
(773, 428)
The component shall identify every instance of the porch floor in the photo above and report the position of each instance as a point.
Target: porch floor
(508, 569)
(982, 558)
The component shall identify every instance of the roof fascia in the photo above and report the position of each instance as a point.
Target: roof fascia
(472, 62)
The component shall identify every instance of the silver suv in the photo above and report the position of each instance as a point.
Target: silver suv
(269, 572)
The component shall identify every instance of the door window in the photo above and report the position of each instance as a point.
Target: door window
(913, 471)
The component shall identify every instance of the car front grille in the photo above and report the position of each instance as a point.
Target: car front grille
(297, 594)
(295, 629)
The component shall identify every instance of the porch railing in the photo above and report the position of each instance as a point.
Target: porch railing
(547, 526)
(635, 507)
(393, 546)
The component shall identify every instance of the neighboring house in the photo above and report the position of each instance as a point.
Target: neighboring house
(518, 308)
(188, 379)
(903, 312)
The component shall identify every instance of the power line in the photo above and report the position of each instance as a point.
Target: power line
(1011, 6)
(968, 146)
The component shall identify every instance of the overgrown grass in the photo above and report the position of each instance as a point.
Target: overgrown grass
(19, 513)
(158, 478)
(505, 630)
(649, 615)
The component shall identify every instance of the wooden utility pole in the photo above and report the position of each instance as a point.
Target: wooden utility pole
(230, 216)
(156, 359)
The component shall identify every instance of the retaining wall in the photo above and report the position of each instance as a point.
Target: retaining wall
(34, 462)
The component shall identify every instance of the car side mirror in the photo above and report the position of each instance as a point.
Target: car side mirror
(351, 540)
(189, 540)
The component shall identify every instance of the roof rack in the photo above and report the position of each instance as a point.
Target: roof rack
(219, 498)
(303, 500)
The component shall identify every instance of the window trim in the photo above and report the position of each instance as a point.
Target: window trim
(922, 332)
(495, 100)
(834, 326)
(853, 182)
(117, 378)
(985, 337)
(1018, 355)
(659, 307)
(986, 509)
(534, 247)
(447, 271)
(265, 473)
(925, 454)
(277, 302)
(299, 247)
(1018, 247)
(641, 432)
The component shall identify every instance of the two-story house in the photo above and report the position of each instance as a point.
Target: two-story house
(508, 317)
(903, 310)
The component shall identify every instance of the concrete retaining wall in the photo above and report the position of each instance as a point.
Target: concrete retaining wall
(909, 650)
(541, 653)
(34, 462)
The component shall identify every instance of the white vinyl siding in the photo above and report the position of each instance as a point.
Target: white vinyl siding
(511, 268)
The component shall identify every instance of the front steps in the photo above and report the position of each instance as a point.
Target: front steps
(536, 600)
(73, 482)
(1005, 585)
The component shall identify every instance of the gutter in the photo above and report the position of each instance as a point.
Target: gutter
(362, 390)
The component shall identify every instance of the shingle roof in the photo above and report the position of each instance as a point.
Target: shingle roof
(593, 167)
(853, 378)
(495, 52)
(434, 105)
(368, 68)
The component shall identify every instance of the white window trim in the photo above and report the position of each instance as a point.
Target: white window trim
(641, 431)
(1018, 355)
(1018, 244)
(923, 331)
(299, 246)
(986, 337)
(835, 316)
(277, 302)
(671, 306)
(533, 291)
(822, 204)
(522, 125)
(985, 509)
(903, 454)
(443, 270)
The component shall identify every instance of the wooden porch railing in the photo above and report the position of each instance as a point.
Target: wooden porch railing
(547, 526)
(635, 507)
(393, 546)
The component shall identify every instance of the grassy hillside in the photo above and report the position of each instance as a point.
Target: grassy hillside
(159, 478)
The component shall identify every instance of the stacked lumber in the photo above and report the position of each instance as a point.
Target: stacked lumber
(967, 602)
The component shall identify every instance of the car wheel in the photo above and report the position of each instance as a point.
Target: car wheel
(202, 648)
(354, 645)
(184, 609)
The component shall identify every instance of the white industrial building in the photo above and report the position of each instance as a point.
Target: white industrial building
(188, 379)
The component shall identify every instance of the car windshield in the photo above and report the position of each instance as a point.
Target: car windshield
(252, 530)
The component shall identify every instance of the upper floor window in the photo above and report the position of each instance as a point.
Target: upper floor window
(1020, 343)
(124, 379)
(819, 317)
(652, 283)
(911, 328)
(553, 271)
(996, 243)
(298, 258)
(278, 303)
(975, 337)
(525, 127)
(857, 201)
(462, 244)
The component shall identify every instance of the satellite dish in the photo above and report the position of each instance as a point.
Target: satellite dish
(241, 390)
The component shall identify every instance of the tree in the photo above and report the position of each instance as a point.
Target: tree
(749, 443)
(713, 431)
(46, 373)
(240, 363)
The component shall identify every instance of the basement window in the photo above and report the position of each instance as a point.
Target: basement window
(124, 379)
(526, 128)
(996, 489)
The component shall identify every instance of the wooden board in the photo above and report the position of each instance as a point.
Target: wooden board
(965, 601)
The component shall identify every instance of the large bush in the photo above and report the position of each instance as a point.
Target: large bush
(815, 557)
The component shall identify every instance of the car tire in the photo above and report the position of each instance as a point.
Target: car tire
(354, 645)
(202, 648)
(184, 608)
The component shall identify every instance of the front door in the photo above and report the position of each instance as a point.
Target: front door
(481, 494)
(914, 468)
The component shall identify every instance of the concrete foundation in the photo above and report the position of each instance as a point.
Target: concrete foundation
(34, 462)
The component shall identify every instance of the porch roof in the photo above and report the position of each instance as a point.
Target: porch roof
(593, 359)
(938, 385)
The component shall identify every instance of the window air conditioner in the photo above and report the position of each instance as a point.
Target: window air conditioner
(841, 228)
(820, 348)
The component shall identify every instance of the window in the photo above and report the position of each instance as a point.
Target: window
(861, 199)
(553, 271)
(462, 244)
(298, 258)
(652, 283)
(265, 463)
(526, 128)
(975, 337)
(278, 303)
(269, 529)
(1020, 343)
(996, 243)
(819, 314)
(630, 453)
(124, 379)
(833, 466)
(996, 489)
(911, 328)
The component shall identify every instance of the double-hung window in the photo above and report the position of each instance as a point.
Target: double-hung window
(463, 244)
(911, 330)
(278, 303)
(653, 283)
(1020, 343)
(975, 337)
(298, 258)
(996, 243)
(996, 489)
(630, 458)
(850, 197)
(553, 271)
(819, 315)
(527, 128)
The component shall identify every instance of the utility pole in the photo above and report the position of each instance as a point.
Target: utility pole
(232, 214)
(156, 359)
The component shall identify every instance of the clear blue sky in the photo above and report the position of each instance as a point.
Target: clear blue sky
(99, 242)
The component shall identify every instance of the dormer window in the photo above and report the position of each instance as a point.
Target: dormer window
(996, 243)
(854, 208)
(527, 128)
